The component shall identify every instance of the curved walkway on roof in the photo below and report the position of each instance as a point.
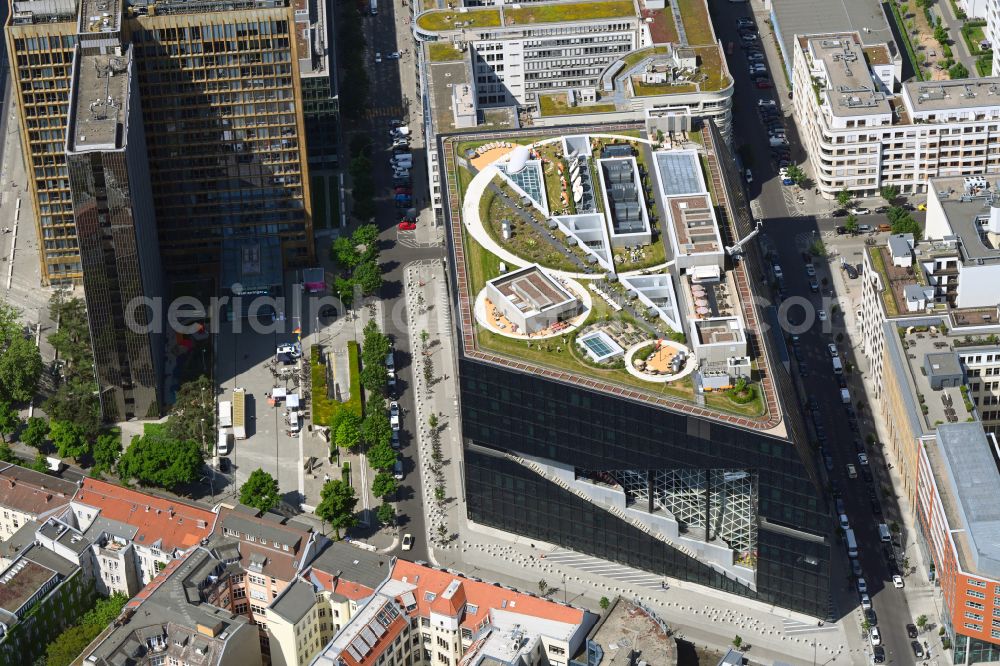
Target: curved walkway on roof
(587, 304)
(474, 224)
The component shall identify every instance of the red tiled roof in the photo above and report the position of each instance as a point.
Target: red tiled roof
(175, 524)
(485, 596)
(383, 645)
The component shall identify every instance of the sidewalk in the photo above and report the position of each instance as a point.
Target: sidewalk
(705, 617)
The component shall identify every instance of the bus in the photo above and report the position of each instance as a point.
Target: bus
(852, 543)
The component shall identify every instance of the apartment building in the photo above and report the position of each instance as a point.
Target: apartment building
(863, 130)
(27, 495)
(317, 605)
(221, 102)
(992, 11)
(425, 615)
(549, 64)
(172, 621)
(157, 530)
(957, 482)
(41, 594)
(317, 53)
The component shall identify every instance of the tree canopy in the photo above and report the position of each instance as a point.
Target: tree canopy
(10, 420)
(381, 456)
(348, 432)
(384, 485)
(20, 368)
(195, 402)
(902, 222)
(336, 506)
(70, 439)
(375, 429)
(157, 459)
(35, 432)
(260, 491)
(107, 450)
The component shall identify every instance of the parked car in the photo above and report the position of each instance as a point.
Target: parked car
(878, 654)
(764, 84)
(748, 175)
(918, 649)
(862, 586)
(852, 471)
(863, 458)
(911, 630)
(406, 225)
(861, 211)
(766, 102)
(876, 636)
(866, 601)
(407, 541)
(897, 582)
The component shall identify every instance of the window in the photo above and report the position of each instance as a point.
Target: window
(429, 596)
(973, 616)
(976, 583)
(471, 609)
(974, 604)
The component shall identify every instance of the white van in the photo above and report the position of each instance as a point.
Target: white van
(884, 533)
(225, 444)
(225, 414)
(838, 367)
(845, 396)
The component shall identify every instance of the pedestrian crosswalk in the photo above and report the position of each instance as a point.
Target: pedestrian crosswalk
(618, 572)
(384, 112)
(795, 627)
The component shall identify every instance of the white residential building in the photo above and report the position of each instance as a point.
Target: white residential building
(862, 130)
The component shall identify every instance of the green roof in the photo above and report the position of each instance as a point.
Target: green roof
(445, 19)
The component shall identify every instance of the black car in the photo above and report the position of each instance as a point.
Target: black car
(911, 630)
(841, 230)
(876, 508)
(859, 446)
(840, 212)
(881, 209)
(803, 370)
(871, 617)
(841, 381)
(867, 473)
(224, 466)
(878, 654)
(918, 649)
(851, 271)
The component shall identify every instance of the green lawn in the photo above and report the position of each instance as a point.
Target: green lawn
(558, 105)
(154, 428)
(568, 11)
(444, 52)
(445, 19)
(633, 58)
(697, 25)
(325, 408)
(710, 65)
(648, 90)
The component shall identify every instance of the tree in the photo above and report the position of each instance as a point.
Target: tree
(375, 429)
(941, 34)
(901, 222)
(195, 402)
(432, 421)
(107, 450)
(366, 235)
(7, 453)
(68, 645)
(844, 197)
(10, 324)
(381, 456)
(890, 193)
(41, 463)
(76, 401)
(348, 432)
(386, 514)
(70, 439)
(10, 421)
(605, 603)
(368, 276)
(260, 491)
(345, 290)
(105, 611)
(958, 71)
(384, 485)
(737, 641)
(71, 340)
(20, 368)
(797, 175)
(374, 376)
(921, 622)
(35, 432)
(852, 224)
(157, 459)
(543, 587)
(344, 253)
(376, 344)
(336, 506)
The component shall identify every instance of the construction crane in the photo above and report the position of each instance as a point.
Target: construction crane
(736, 249)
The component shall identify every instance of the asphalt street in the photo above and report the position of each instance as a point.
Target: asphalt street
(392, 82)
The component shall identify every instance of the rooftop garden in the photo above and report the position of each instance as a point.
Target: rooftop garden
(557, 104)
(697, 25)
(641, 89)
(878, 263)
(571, 11)
(634, 57)
(445, 19)
(444, 52)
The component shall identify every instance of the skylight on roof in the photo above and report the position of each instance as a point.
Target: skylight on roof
(429, 596)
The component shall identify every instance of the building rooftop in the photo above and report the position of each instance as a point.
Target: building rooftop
(530, 290)
(167, 524)
(22, 580)
(801, 17)
(349, 571)
(99, 99)
(851, 89)
(264, 545)
(962, 461)
(31, 492)
(694, 223)
(171, 613)
(928, 355)
(641, 306)
(444, 20)
(627, 628)
(967, 212)
(99, 16)
(313, 33)
(294, 601)
(946, 95)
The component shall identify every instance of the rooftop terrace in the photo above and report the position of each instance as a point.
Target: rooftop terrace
(20, 582)
(99, 102)
(927, 353)
(629, 311)
(851, 89)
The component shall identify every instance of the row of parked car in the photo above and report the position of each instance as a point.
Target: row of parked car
(402, 183)
(750, 40)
